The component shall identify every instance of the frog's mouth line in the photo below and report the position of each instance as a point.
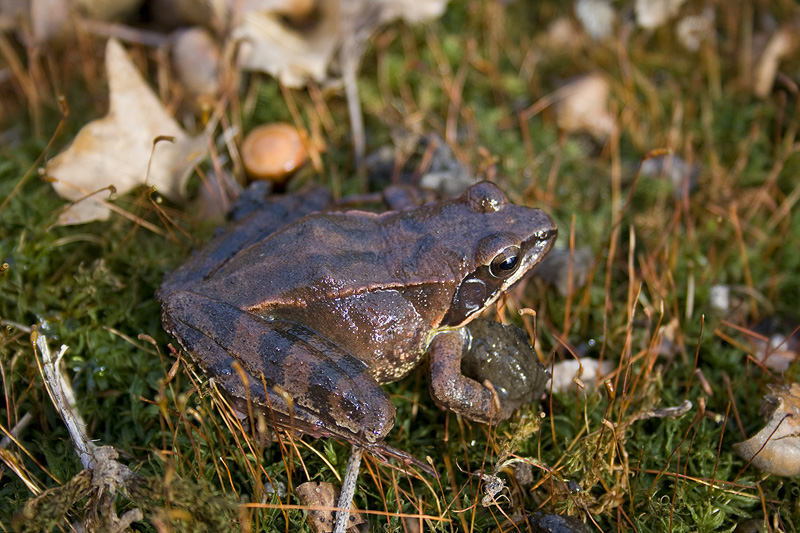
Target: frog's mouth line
(535, 249)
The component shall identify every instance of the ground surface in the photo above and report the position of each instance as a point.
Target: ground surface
(485, 80)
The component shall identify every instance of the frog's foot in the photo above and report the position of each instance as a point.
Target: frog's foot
(384, 452)
(278, 210)
(302, 380)
(452, 390)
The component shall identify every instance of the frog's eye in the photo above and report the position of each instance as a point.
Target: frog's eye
(505, 263)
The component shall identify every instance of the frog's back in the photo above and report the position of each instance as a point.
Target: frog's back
(324, 256)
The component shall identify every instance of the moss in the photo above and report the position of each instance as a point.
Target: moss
(91, 287)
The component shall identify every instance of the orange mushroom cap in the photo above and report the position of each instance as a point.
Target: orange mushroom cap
(273, 152)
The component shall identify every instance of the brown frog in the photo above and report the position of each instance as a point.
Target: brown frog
(318, 309)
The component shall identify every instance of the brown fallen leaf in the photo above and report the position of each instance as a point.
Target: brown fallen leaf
(776, 448)
(268, 44)
(117, 150)
(584, 107)
(692, 30)
(297, 55)
(196, 60)
(650, 14)
(36, 21)
(782, 44)
(563, 35)
(585, 370)
(597, 17)
(324, 495)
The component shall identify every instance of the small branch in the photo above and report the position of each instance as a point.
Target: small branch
(106, 475)
(63, 397)
(348, 490)
(17, 429)
(349, 60)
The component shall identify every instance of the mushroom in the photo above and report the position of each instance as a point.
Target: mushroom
(273, 152)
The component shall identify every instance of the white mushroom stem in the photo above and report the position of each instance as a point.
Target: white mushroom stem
(348, 490)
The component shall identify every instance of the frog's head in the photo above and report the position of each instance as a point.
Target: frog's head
(505, 242)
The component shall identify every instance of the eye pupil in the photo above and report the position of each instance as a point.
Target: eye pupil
(505, 262)
(509, 263)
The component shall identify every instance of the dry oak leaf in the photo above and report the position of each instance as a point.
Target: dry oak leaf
(268, 44)
(117, 150)
(650, 14)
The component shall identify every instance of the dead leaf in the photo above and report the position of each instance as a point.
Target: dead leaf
(268, 44)
(36, 21)
(782, 44)
(323, 495)
(196, 61)
(563, 35)
(116, 149)
(694, 29)
(586, 370)
(584, 107)
(776, 448)
(650, 14)
(597, 17)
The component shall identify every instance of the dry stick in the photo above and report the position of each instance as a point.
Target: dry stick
(63, 398)
(348, 56)
(18, 428)
(108, 475)
(348, 490)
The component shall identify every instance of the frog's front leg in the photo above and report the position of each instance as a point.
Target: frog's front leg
(299, 379)
(452, 390)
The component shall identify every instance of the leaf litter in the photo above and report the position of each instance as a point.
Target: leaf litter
(136, 144)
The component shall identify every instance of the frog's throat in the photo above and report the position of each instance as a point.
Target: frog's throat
(445, 329)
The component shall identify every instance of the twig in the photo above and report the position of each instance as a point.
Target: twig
(17, 429)
(63, 398)
(664, 412)
(348, 57)
(108, 476)
(348, 490)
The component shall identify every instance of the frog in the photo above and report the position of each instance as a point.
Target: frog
(305, 311)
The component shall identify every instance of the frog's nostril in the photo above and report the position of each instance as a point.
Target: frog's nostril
(548, 234)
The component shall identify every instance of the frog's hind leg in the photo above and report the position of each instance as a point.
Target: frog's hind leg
(310, 381)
